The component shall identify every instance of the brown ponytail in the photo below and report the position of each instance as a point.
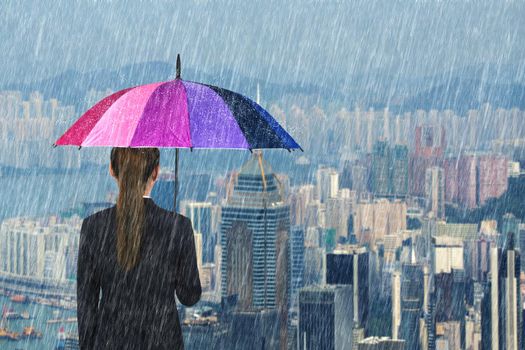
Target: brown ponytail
(132, 167)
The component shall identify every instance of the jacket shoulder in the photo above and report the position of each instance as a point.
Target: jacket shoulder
(99, 214)
(178, 218)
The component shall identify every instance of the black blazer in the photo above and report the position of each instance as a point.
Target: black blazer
(137, 309)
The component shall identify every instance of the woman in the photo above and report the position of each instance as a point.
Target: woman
(138, 256)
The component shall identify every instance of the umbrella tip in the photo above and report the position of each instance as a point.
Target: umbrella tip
(54, 145)
(178, 66)
(79, 147)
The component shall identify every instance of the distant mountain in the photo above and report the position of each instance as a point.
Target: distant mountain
(461, 95)
(458, 90)
(71, 86)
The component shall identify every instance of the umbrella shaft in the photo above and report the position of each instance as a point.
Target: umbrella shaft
(176, 184)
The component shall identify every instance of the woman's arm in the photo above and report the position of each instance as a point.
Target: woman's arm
(88, 288)
(188, 287)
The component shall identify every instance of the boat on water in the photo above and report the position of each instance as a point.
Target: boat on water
(63, 320)
(12, 315)
(30, 332)
(7, 334)
(19, 298)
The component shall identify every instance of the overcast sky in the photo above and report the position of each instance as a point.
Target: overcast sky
(279, 41)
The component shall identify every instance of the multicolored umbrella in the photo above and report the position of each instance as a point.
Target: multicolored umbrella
(177, 114)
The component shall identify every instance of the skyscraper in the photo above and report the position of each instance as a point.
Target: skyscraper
(296, 260)
(380, 171)
(412, 294)
(435, 192)
(325, 318)
(257, 211)
(348, 265)
(200, 214)
(509, 224)
(501, 305)
(399, 175)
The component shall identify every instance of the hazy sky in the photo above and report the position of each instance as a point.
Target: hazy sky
(275, 40)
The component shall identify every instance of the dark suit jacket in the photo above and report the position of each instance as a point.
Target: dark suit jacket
(137, 309)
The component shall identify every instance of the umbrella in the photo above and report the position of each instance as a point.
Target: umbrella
(177, 114)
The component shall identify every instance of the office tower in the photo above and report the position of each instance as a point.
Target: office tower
(374, 220)
(447, 254)
(522, 244)
(200, 214)
(349, 265)
(399, 175)
(509, 224)
(338, 212)
(297, 260)
(512, 295)
(412, 294)
(327, 184)
(389, 170)
(380, 171)
(381, 343)
(252, 329)
(325, 317)
(435, 192)
(501, 304)
(450, 309)
(396, 304)
(482, 259)
(255, 233)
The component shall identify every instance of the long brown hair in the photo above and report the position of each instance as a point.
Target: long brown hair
(132, 167)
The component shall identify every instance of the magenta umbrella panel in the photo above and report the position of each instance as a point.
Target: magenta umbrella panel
(177, 114)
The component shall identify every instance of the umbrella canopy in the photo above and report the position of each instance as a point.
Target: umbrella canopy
(177, 114)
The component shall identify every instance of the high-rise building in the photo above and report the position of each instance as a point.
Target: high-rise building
(325, 317)
(430, 140)
(200, 214)
(255, 241)
(396, 304)
(435, 192)
(327, 184)
(380, 171)
(412, 294)
(348, 265)
(501, 305)
(429, 149)
(467, 184)
(389, 170)
(447, 254)
(297, 234)
(450, 166)
(374, 220)
(509, 224)
(492, 176)
(399, 175)
(31, 248)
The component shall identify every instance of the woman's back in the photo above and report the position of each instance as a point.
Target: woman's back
(137, 308)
